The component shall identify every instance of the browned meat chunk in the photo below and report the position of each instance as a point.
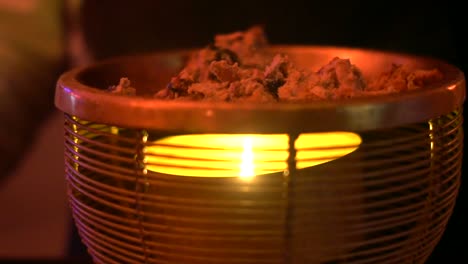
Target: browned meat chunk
(123, 88)
(401, 78)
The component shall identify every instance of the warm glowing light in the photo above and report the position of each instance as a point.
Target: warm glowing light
(451, 87)
(431, 136)
(244, 155)
(247, 161)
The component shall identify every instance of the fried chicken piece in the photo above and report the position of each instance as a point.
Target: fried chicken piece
(338, 79)
(124, 88)
(402, 78)
(249, 46)
(215, 72)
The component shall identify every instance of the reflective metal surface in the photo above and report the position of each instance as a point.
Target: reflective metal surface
(80, 92)
(386, 202)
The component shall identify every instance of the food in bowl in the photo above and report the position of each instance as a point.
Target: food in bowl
(240, 67)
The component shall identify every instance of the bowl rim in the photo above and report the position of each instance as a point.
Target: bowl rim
(75, 98)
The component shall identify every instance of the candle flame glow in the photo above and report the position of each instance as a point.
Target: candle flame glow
(243, 155)
(247, 167)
